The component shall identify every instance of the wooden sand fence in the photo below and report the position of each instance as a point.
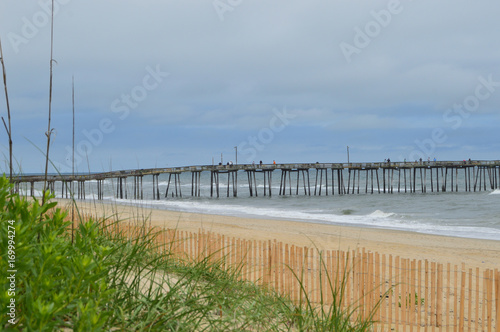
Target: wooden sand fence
(408, 295)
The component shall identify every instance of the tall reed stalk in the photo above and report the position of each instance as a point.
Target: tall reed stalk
(73, 160)
(8, 127)
(49, 130)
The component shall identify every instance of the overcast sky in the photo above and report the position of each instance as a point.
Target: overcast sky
(172, 83)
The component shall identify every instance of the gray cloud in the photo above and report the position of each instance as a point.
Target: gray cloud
(228, 75)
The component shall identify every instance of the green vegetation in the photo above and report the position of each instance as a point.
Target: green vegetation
(104, 281)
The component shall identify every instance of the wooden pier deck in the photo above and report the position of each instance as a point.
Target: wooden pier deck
(344, 178)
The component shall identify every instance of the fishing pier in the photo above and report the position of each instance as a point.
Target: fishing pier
(294, 179)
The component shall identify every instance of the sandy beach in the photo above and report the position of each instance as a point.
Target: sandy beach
(442, 249)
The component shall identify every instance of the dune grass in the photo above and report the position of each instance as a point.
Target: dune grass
(105, 281)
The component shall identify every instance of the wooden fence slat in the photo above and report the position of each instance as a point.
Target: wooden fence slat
(324, 276)
(260, 261)
(345, 277)
(355, 279)
(275, 260)
(462, 300)
(421, 294)
(255, 265)
(243, 254)
(391, 292)
(336, 273)
(489, 281)
(196, 238)
(268, 257)
(328, 277)
(414, 293)
(247, 254)
(275, 276)
(281, 265)
(439, 290)
(317, 276)
(377, 285)
(182, 240)
(455, 299)
(497, 298)
(403, 304)
(371, 278)
(238, 259)
(314, 276)
(397, 294)
(469, 302)
(476, 323)
(224, 251)
(234, 252)
(291, 270)
(427, 295)
(365, 283)
(286, 270)
(433, 295)
(483, 307)
(448, 299)
(306, 272)
(368, 283)
(250, 260)
(300, 273)
(409, 302)
(383, 315)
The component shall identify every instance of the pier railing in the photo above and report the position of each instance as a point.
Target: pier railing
(250, 167)
(407, 294)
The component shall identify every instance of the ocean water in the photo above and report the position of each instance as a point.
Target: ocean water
(460, 214)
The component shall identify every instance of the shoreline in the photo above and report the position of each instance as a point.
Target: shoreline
(406, 244)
